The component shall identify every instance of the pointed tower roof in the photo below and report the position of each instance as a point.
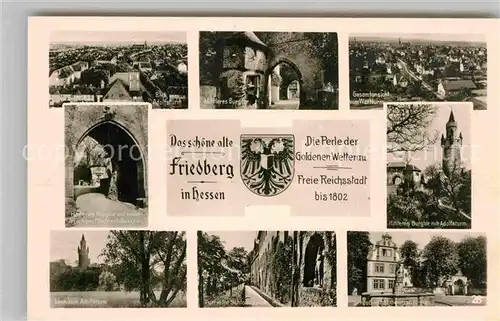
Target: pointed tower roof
(452, 117)
(83, 237)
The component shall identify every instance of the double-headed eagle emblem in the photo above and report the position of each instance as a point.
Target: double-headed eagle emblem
(267, 163)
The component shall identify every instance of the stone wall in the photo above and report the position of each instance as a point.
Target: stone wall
(263, 274)
(317, 294)
(399, 300)
(298, 53)
(80, 119)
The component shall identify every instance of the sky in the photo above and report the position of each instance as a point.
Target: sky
(422, 238)
(117, 37)
(434, 153)
(236, 238)
(64, 245)
(425, 36)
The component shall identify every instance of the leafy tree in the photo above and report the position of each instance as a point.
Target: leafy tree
(107, 281)
(472, 259)
(150, 252)
(358, 247)
(407, 127)
(282, 270)
(414, 89)
(410, 254)
(440, 259)
(237, 267)
(326, 48)
(93, 77)
(210, 255)
(210, 44)
(452, 191)
(237, 259)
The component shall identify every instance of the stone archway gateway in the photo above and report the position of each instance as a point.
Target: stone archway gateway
(267, 75)
(122, 131)
(125, 180)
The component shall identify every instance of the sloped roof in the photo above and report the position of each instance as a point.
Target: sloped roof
(246, 36)
(119, 85)
(125, 79)
(64, 71)
(404, 166)
(413, 168)
(453, 85)
(396, 164)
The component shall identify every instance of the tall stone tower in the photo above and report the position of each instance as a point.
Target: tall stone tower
(83, 254)
(451, 145)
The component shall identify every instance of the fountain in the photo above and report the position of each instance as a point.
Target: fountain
(399, 296)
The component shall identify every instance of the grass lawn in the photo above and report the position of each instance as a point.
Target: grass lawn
(460, 300)
(101, 299)
(352, 300)
(226, 300)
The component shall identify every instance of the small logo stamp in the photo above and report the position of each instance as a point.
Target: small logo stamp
(477, 299)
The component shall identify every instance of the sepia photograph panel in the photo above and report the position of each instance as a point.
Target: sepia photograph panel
(117, 269)
(106, 161)
(417, 67)
(104, 66)
(429, 151)
(267, 269)
(268, 70)
(416, 269)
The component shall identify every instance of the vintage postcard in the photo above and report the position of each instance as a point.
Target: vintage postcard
(417, 67)
(281, 70)
(267, 269)
(97, 269)
(416, 269)
(215, 168)
(90, 66)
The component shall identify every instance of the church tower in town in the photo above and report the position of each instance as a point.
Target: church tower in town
(83, 254)
(451, 145)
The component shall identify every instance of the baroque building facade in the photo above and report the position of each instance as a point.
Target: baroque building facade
(384, 264)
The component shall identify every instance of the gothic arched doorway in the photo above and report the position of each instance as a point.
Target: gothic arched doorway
(459, 287)
(122, 174)
(275, 89)
(313, 261)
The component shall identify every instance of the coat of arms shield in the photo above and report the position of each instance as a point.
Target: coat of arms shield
(267, 163)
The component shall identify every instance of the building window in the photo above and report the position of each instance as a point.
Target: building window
(393, 268)
(379, 267)
(390, 285)
(378, 284)
(386, 252)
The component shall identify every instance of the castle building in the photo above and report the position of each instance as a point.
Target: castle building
(398, 172)
(451, 145)
(83, 254)
(384, 261)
